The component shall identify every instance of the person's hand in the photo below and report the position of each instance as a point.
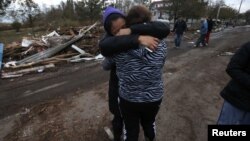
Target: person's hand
(125, 31)
(149, 41)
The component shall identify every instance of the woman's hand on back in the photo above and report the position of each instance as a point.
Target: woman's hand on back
(149, 41)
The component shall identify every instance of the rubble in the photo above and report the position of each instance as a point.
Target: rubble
(78, 49)
(99, 57)
(26, 42)
(26, 71)
(226, 54)
(52, 51)
(66, 45)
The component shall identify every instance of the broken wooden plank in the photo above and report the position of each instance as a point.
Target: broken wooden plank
(78, 49)
(12, 65)
(6, 76)
(52, 51)
(28, 70)
(77, 60)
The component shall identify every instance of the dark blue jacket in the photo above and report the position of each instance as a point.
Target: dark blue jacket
(180, 26)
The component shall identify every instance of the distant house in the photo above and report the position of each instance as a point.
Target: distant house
(109, 2)
(160, 9)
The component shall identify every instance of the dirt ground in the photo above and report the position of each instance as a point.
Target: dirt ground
(69, 103)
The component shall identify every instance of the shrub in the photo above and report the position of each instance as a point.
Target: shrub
(16, 25)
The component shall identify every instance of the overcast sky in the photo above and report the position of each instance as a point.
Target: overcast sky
(232, 3)
(236, 4)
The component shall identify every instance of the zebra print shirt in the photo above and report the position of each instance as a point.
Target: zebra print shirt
(140, 73)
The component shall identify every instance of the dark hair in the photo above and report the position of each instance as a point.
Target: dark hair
(110, 19)
(138, 14)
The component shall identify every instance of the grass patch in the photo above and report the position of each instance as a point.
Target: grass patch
(10, 36)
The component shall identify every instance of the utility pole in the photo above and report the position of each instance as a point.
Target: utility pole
(218, 13)
(240, 6)
(239, 11)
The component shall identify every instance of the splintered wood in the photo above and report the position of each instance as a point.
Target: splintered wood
(53, 48)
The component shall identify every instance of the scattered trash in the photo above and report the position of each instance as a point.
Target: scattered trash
(26, 42)
(99, 57)
(66, 45)
(26, 71)
(78, 49)
(227, 54)
(109, 133)
(81, 59)
(40, 70)
(5, 76)
(10, 64)
(54, 33)
(52, 51)
(170, 73)
(45, 38)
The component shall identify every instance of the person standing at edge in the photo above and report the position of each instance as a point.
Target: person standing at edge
(210, 28)
(203, 33)
(236, 107)
(113, 21)
(179, 28)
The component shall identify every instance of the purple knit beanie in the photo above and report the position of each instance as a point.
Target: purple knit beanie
(111, 10)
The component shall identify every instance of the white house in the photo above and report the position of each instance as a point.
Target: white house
(109, 2)
(159, 9)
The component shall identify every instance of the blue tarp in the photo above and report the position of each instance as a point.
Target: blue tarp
(1, 55)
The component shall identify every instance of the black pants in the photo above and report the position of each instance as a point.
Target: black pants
(135, 114)
(117, 122)
(201, 40)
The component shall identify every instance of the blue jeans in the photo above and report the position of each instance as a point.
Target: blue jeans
(177, 40)
(231, 115)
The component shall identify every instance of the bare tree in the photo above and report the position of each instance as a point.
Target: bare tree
(25, 10)
(68, 9)
(222, 11)
(3, 5)
(247, 16)
(81, 10)
(187, 8)
(94, 9)
(127, 5)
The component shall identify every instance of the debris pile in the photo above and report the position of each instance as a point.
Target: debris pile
(36, 54)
